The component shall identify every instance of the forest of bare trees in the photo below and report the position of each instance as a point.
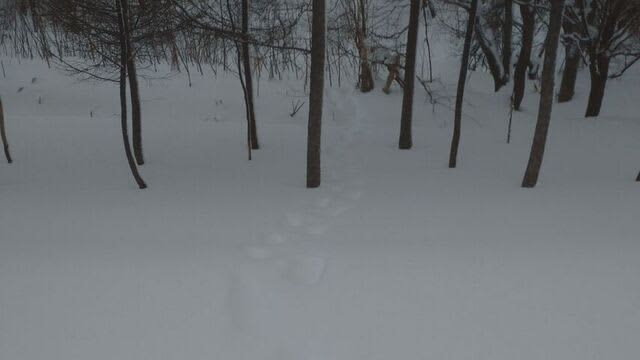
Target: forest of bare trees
(362, 41)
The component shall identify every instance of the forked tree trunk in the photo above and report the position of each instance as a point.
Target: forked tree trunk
(507, 35)
(3, 135)
(136, 112)
(406, 141)
(491, 56)
(455, 141)
(524, 59)
(316, 93)
(248, 82)
(546, 97)
(599, 71)
(124, 56)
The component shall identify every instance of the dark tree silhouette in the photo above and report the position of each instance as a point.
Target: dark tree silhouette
(546, 98)
(406, 141)
(3, 135)
(124, 60)
(572, 54)
(610, 28)
(457, 124)
(524, 59)
(318, 29)
(507, 36)
(248, 78)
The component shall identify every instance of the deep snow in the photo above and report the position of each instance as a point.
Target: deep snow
(394, 257)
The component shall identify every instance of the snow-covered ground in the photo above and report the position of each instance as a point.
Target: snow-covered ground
(394, 257)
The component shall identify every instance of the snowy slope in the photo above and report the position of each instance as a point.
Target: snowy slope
(394, 257)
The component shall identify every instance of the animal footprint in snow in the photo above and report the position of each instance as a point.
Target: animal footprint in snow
(324, 202)
(293, 219)
(258, 253)
(316, 229)
(305, 270)
(337, 187)
(355, 195)
(276, 239)
(338, 210)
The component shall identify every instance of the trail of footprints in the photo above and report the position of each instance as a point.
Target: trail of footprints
(344, 190)
(311, 224)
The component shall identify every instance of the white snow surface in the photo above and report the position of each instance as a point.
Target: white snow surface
(394, 257)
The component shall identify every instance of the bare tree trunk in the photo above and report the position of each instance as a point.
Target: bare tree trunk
(571, 64)
(366, 75)
(316, 93)
(490, 51)
(124, 56)
(599, 70)
(507, 35)
(462, 79)
(546, 98)
(524, 60)
(136, 112)
(569, 75)
(366, 82)
(3, 135)
(248, 82)
(406, 141)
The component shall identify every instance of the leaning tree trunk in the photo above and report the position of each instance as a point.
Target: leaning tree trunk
(316, 93)
(406, 141)
(248, 82)
(599, 70)
(124, 56)
(136, 112)
(489, 47)
(571, 64)
(491, 55)
(546, 98)
(3, 135)
(507, 35)
(524, 60)
(455, 141)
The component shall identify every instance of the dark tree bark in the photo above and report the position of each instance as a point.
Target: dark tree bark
(524, 59)
(569, 75)
(599, 71)
(455, 141)
(406, 141)
(124, 58)
(3, 135)
(507, 35)
(248, 82)
(493, 61)
(136, 111)
(316, 93)
(365, 79)
(546, 98)
(638, 178)
(571, 64)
